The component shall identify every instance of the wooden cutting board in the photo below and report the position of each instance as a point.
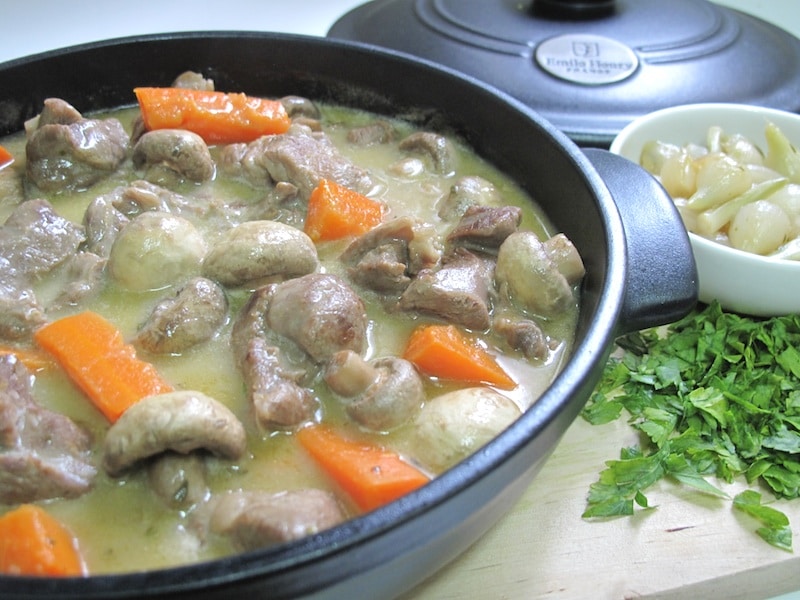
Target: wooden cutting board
(689, 546)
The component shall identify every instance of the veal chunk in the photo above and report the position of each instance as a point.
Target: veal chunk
(35, 239)
(303, 158)
(43, 454)
(64, 151)
(458, 292)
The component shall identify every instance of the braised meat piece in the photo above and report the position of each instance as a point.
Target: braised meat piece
(34, 239)
(458, 292)
(274, 384)
(72, 153)
(277, 398)
(484, 228)
(320, 313)
(304, 158)
(102, 222)
(255, 519)
(189, 317)
(83, 279)
(43, 454)
(378, 260)
(20, 310)
(525, 336)
(300, 157)
(377, 132)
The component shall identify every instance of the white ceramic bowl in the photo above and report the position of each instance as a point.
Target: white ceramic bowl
(740, 281)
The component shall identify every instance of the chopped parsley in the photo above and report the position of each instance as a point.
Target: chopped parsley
(718, 396)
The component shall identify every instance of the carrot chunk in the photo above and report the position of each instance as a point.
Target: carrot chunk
(94, 354)
(6, 158)
(335, 211)
(33, 359)
(372, 476)
(217, 117)
(33, 542)
(445, 351)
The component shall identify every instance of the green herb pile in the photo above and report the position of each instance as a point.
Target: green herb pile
(717, 395)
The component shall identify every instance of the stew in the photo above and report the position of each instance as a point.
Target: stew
(209, 347)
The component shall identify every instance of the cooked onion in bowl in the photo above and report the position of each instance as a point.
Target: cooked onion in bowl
(741, 280)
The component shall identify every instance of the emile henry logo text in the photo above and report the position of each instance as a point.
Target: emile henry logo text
(586, 59)
(593, 64)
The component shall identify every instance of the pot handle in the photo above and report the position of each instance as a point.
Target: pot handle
(661, 279)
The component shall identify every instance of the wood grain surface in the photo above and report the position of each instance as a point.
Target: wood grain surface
(689, 545)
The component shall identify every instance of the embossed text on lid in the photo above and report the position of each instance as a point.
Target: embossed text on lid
(587, 59)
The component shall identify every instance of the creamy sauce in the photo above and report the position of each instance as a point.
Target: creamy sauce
(121, 525)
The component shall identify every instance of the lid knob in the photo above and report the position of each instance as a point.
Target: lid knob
(573, 10)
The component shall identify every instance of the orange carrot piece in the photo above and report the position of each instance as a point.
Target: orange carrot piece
(95, 356)
(33, 359)
(335, 211)
(370, 475)
(33, 542)
(6, 158)
(445, 351)
(217, 117)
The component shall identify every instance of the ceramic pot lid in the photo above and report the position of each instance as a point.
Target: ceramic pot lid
(591, 66)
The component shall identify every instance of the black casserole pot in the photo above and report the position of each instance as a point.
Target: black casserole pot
(640, 273)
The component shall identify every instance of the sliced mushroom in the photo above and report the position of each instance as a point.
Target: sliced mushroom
(142, 196)
(193, 315)
(181, 421)
(167, 154)
(259, 251)
(178, 479)
(436, 147)
(320, 313)
(454, 425)
(384, 393)
(527, 276)
(298, 106)
(254, 519)
(525, 336)
(470, 190)
(566, 257)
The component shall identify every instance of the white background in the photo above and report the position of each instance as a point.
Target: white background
(31, 26)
